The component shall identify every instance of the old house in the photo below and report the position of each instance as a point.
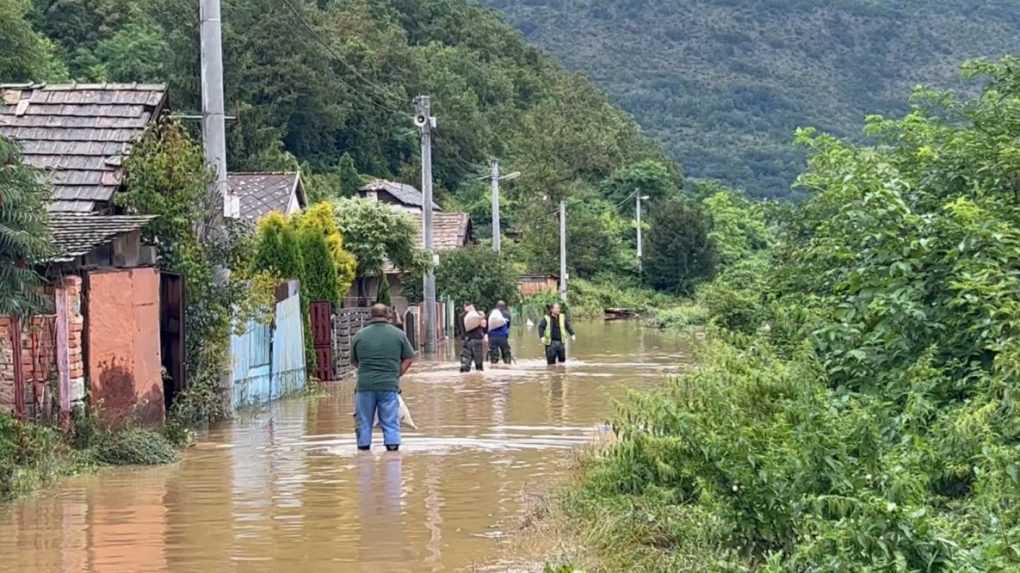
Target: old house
(264, 193)
(115, 326)
(450, 230)
(398, 195)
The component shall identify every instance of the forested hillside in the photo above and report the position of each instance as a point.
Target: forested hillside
(724, 83)
(325, 84)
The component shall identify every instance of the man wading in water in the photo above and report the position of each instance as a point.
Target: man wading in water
(474, 339)
(552, 330)
(499, 334)
(382, 354)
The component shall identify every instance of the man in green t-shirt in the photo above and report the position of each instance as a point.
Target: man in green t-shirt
(382, 354)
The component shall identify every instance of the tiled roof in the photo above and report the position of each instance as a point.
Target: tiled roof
(263, 193)
(449, 231)
(76, 235)
(405, 194)
(79, 134)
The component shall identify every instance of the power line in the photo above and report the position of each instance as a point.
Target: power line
(381, 104)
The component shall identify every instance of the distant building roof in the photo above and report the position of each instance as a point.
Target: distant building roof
(404, 194)
(263, 193)
(77, 235)
(449, 231)
(79, 134)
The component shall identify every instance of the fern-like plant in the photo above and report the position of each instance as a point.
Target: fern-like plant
(24, 232)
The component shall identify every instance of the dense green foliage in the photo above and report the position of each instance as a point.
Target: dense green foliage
(24, 232)
(33, 455)
(308, 247)
(854, 410)
(327, 87)
(478, 276)
(680, 252)
(134, 447)
(724, 83)
(329, 268)
(377, 234)
(26, 54)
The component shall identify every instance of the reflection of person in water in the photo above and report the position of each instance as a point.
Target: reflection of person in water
(383, 541)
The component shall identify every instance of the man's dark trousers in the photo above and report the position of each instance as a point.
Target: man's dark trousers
(555, 352)
(499, 345)
(473, 352)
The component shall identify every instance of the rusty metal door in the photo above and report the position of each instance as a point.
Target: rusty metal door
(322, 339)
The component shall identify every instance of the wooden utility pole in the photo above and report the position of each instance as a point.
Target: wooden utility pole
(563, 250)
(425, 122)
(495, 206)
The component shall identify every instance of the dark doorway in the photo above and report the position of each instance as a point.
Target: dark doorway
(171, 334)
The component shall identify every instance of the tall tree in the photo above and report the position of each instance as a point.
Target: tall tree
(25, 55)
(680, 254)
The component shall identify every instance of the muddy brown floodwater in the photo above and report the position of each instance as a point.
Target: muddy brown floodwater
(286, 490)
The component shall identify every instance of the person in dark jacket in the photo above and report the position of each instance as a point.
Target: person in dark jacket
(553, 330)
(474, 340)
(499, 338)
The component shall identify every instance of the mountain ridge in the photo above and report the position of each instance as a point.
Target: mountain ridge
(724, 83)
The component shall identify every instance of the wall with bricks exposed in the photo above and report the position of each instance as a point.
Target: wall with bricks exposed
(38, 352)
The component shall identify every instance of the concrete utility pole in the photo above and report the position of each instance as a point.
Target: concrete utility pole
(214, 140)
(640, 252)
(213, 117)
(563, 250)
(496, 178)
(495, 206)
(425, 122)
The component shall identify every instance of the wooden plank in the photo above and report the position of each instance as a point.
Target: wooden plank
(63, 362)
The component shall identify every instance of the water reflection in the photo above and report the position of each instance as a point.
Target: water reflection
(286, 489)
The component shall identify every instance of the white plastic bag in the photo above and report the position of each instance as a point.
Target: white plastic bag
(405, 415)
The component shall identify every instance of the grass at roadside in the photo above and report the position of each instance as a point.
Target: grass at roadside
(33, 456)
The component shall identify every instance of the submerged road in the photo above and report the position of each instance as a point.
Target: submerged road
(286, 490)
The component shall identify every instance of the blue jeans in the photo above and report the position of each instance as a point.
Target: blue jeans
(388, 405)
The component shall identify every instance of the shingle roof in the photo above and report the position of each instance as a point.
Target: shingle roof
(76, 235)
(449, 231)
(79, 134)
(263, 193)
(405, 194)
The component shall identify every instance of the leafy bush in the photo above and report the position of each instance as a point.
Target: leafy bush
(855, 410)
(476, 275)
(134, 446)
(590, 298)
(680, 317)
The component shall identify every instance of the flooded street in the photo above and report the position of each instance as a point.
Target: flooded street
(286, 490)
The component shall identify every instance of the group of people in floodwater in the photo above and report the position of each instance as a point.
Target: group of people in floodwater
(382, 354)
(495, 328)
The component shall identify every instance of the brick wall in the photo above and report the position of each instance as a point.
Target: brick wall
(6, 366)
(38, 351)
